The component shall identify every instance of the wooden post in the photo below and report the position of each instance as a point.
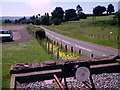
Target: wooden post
(48, 47)
(52, 47)
(91, 55)
(54, 42)
(66, 48)
(79, 52)
(71, 49)
(57, 44)
(47, 38)
(58, 53)
(61, 46)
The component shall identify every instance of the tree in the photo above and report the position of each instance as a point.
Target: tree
(37, 22)
(32, 18)
(99, 10)
(70, 14)
(16, 21)
(110, 9)
(82, 15)
(22, 20)
(40, 34)
(38, 14)
(45, 20)
(7, 21)
(48, 15)
(56, 21)
(79, 9)
(58, 13)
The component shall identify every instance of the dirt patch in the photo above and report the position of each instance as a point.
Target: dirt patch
(19, 33)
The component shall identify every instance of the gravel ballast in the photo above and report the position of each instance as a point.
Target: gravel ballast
(104, 81)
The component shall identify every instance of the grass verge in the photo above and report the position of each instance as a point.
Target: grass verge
(24, 52)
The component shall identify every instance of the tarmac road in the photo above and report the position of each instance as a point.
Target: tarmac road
(85, 47)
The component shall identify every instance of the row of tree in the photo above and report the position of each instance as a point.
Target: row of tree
(59, 15)
(97, 11)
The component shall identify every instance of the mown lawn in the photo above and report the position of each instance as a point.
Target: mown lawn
(93, 29)
(24, 52)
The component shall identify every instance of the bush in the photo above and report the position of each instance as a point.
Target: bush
(40, 34)
(36, 31)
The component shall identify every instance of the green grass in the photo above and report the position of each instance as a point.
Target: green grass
(24, 52)
(83, 29)
(0, 66)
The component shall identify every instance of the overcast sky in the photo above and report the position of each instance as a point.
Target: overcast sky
(34, 7)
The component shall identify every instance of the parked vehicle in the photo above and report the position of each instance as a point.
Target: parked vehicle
(6, 35)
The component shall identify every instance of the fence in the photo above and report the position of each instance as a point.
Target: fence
(58, 50)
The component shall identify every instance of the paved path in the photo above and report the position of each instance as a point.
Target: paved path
(85, 47)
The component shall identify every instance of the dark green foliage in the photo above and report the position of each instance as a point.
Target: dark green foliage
(48, 15)
(58, 13)
(70, 14)
(16, 21)
(82, 16)
(97, 11)
(32, 18)
(40, 34)
(79, 9)
(22, 20)
(110, 9)
(45, 20)
(7, 21)
(38, 14)
(56, 21)
(37, 22)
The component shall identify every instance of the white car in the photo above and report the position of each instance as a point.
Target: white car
(6, 35)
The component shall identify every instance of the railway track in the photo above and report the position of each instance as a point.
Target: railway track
(62, 69)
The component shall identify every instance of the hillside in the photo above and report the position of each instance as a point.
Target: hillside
(99, 30)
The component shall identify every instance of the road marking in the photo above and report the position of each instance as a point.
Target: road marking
(65, 41)
(104, 55)
(83, 48)
(57, 38)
